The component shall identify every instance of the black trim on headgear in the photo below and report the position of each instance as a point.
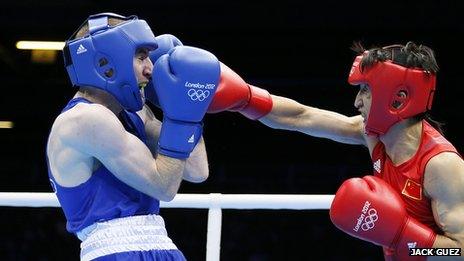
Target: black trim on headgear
(398, 56)
(67, 56)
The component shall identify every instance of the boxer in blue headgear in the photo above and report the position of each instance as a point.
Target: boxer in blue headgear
(110, 161)
(103, 58)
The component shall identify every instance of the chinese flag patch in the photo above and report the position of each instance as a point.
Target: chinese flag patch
(412, 189)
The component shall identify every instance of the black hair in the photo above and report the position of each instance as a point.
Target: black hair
(410, 55)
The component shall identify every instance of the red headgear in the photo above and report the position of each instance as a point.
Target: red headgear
(397, 92)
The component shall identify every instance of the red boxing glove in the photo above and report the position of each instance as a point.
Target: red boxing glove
(368, 208)
(234, 94)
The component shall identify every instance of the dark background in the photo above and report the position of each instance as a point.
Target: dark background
(297, 49)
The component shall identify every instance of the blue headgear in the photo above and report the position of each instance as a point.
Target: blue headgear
(104, 58)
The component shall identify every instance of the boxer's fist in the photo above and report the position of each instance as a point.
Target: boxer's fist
(165, 43)
(368, 208)
(234, 94)
(185, 81)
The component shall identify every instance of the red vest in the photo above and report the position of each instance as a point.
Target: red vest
(407, 178)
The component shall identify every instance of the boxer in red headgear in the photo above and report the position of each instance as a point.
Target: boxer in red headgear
(416, 197)
(398, 92)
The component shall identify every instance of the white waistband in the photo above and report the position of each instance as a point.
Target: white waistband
(137, 233)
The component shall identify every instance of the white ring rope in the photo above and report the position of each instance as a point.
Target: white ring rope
(204, 201)
(214, 202)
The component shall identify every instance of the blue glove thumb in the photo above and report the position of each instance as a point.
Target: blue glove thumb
(165, 43)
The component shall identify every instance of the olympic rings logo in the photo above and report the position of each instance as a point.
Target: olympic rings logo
(198, 95)
(370, 219)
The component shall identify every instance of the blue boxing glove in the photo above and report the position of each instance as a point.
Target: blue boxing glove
(185, 81)
(165, 43)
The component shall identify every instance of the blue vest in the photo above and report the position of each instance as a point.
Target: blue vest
(103, 196)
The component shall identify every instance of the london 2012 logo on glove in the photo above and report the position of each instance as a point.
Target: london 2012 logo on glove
(198, 91)
(367, 218)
